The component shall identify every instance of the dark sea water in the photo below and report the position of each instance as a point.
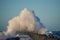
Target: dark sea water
(55, 34)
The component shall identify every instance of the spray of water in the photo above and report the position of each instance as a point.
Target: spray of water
(26, 21)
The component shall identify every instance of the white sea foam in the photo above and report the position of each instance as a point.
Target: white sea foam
(26, 21)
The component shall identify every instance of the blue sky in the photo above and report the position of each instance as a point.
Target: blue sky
(47, 10)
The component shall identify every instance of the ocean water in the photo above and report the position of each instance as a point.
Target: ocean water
(55, 34)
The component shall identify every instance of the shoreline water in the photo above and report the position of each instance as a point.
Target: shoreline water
(35, 36)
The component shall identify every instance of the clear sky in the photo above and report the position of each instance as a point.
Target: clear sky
(47, 10)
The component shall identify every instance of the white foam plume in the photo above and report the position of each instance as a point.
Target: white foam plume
(26, 21)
